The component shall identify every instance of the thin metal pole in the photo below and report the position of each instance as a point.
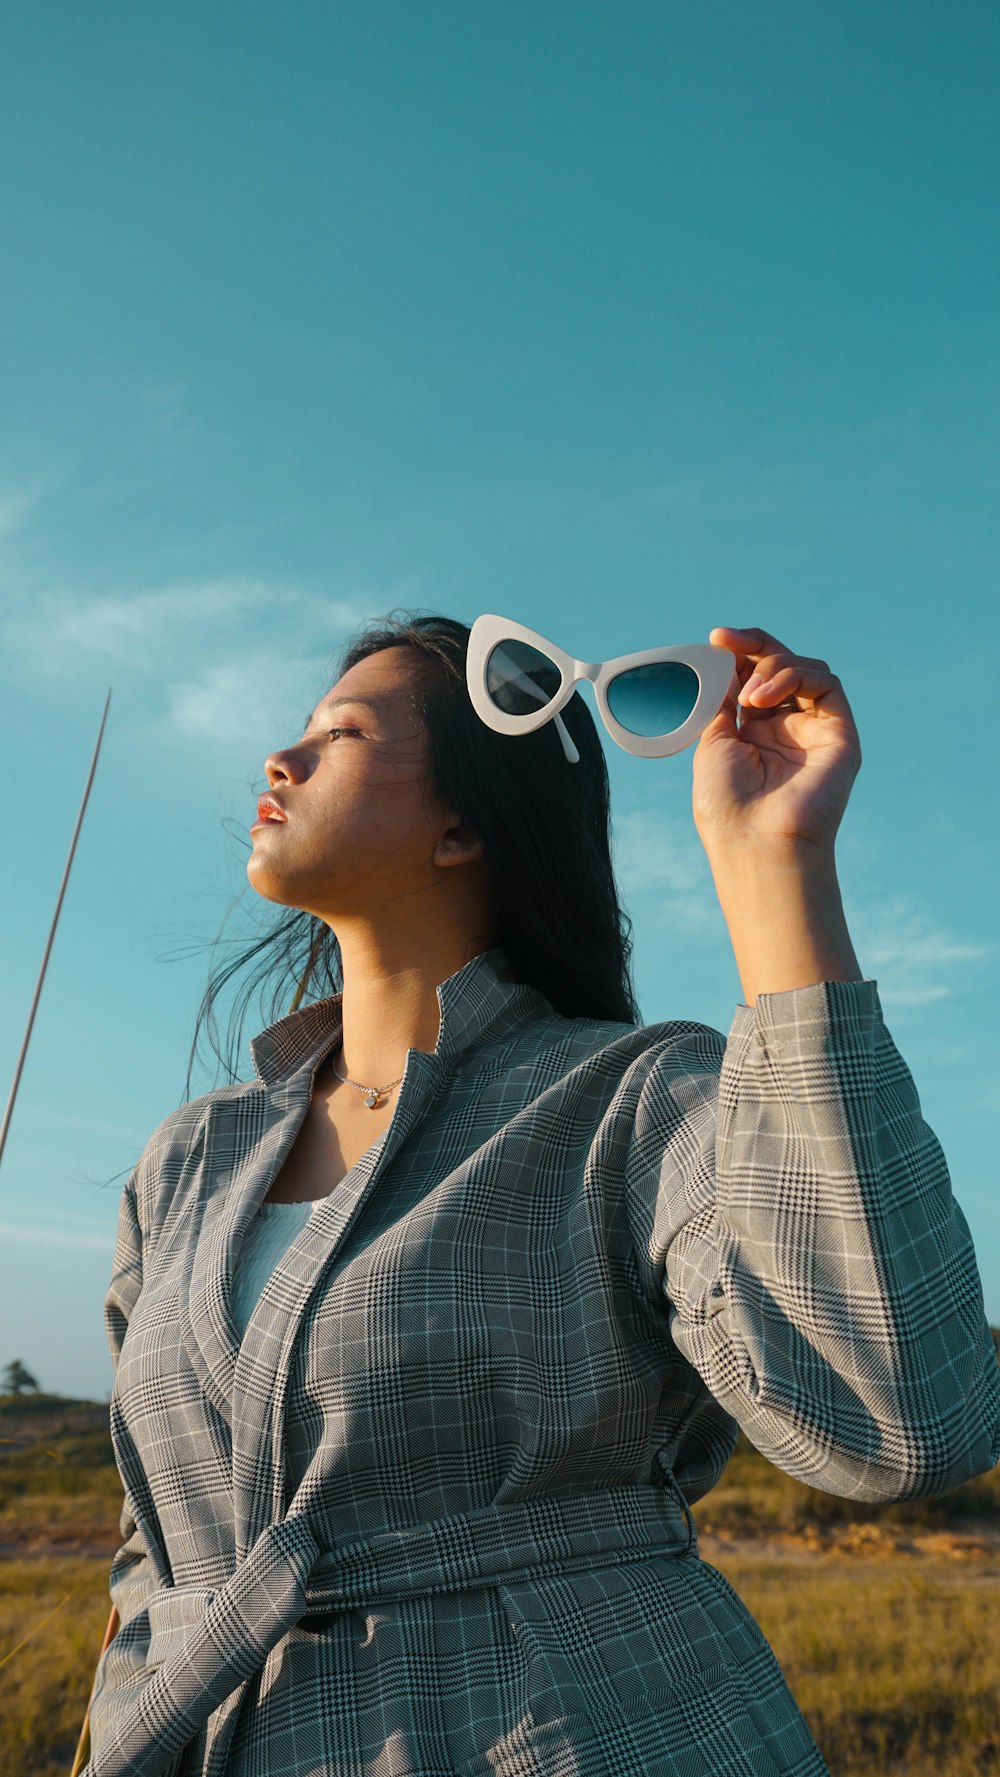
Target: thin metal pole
(52, 932)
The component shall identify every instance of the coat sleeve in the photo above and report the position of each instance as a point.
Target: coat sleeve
(123, 1665)
(122, 1670)
(797, 1216)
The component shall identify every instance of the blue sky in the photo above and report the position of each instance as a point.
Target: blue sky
(625, 321)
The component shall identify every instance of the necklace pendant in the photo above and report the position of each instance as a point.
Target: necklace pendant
(371, 1099)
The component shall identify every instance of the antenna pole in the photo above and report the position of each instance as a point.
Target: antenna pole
(52, 932)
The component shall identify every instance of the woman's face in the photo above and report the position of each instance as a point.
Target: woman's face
(362, 828)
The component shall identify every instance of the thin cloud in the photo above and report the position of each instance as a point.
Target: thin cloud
(916, 959)
(239, 696)
(148, 631)
(135, 630)
(41, 1234)
(909, 996)
(659, 855)
(215, 652)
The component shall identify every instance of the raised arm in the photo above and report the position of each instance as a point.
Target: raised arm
(820, 1274)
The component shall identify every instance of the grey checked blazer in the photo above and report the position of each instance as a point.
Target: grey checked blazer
(431, 1518)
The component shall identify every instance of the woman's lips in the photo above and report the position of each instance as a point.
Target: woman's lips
(269, 814)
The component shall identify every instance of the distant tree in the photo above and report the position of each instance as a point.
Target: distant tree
(16, 1378)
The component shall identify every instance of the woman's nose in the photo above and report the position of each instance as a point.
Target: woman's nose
(283, 766)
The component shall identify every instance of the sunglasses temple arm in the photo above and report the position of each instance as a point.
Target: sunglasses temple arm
(568, 747)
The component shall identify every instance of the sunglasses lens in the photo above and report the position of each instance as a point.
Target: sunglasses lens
(654, 699)
(519, 679)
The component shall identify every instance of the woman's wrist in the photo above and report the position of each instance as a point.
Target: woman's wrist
(782, 905)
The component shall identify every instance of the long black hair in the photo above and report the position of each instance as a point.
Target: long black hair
(545, 826)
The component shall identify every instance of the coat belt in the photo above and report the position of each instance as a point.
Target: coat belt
(523, 1539)
(203, 1643)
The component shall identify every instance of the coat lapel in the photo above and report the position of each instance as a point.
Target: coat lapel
(248, 1137)
(247, 1140)
(264, 1360)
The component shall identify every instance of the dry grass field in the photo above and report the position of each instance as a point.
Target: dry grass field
(885, 1620)
(887, 1627)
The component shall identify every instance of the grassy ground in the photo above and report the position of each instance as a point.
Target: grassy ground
(886, 1620)
(893, 1662)
(44, 1688)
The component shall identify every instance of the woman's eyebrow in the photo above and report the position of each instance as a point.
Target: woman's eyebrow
(320, 715)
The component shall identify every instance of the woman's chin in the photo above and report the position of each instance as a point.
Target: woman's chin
(267, 881)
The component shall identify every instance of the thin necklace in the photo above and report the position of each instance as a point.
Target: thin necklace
(372, 1093)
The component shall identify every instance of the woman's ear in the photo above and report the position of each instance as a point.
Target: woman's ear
(459, 845)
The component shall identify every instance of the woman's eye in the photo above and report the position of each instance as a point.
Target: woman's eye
(343, 731)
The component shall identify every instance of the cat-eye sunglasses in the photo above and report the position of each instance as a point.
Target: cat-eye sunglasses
(652, 703)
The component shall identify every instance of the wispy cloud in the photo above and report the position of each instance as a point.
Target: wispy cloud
(230, 696)
(659, 855)
(211, 658)
(46, 1234)
(916, 958)
(167, 625)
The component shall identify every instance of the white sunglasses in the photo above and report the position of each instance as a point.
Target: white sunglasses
(653, 703)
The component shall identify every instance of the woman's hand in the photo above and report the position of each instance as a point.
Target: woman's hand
(783, 776)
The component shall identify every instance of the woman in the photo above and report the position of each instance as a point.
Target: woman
(427, 1336)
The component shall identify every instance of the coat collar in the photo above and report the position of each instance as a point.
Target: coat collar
(477, 997)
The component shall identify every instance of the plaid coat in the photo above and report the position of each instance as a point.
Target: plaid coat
(430, 1518)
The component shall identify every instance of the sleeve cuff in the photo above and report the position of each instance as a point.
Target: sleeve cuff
(807, 1017)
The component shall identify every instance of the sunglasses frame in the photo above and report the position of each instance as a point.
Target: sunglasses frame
(715, 669)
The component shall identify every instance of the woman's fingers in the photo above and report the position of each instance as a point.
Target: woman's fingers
(776, 674)
(748, 644)
(777, 677)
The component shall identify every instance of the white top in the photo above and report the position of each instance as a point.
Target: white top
(271, 1233)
